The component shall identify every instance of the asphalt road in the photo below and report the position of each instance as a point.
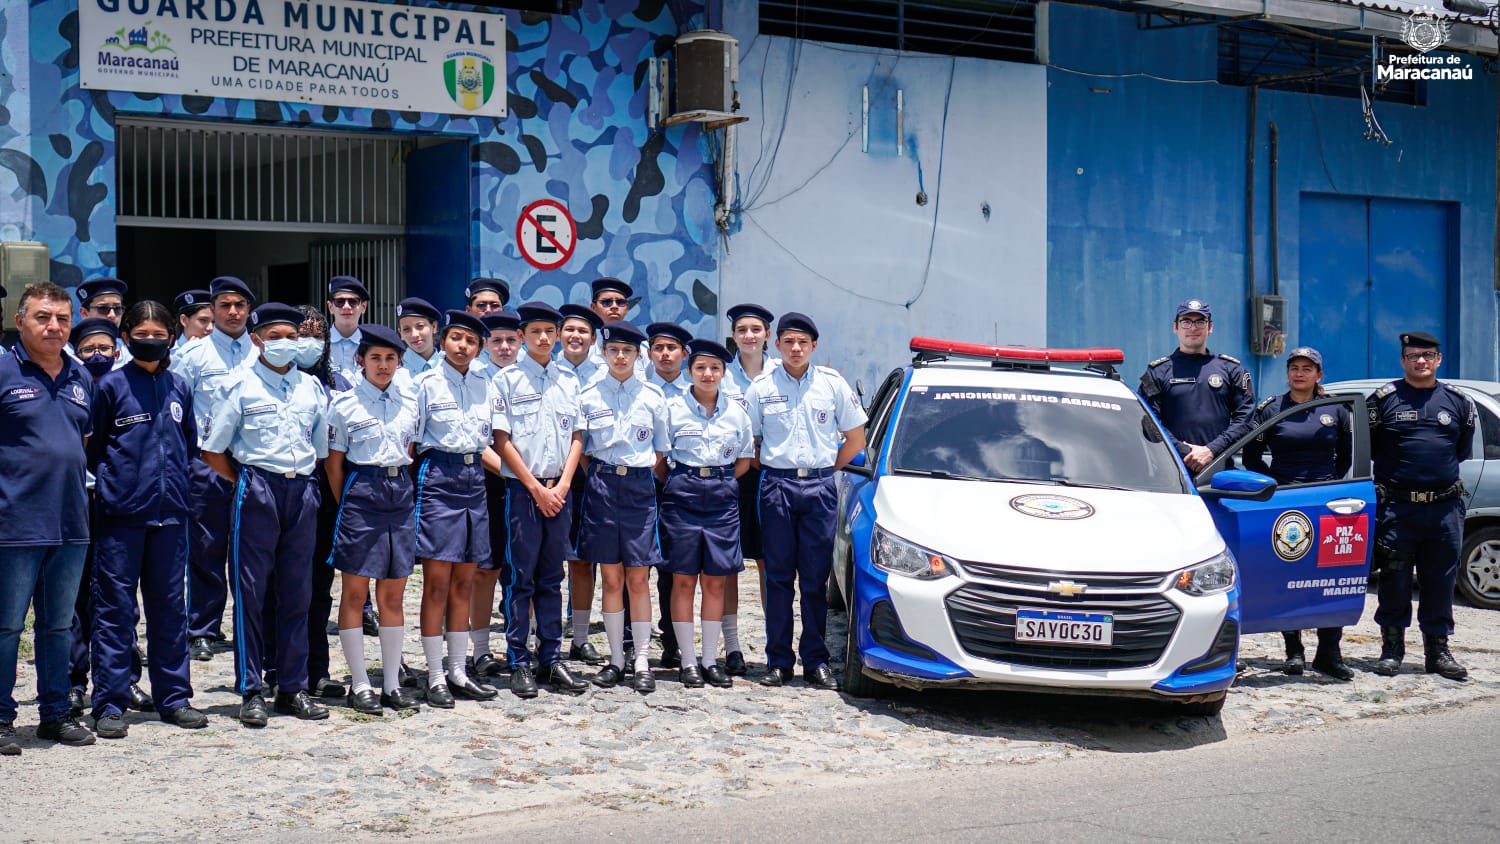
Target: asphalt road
(1428, 777)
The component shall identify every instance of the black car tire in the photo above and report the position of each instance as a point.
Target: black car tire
(1479, 565)
(831, 591)
(856, 683)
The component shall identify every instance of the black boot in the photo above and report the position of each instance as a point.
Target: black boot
(1440, 661)
(1294, 653)
(1329, 660)
(1392, 651)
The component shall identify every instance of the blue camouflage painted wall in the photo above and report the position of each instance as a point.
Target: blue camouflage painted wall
(576, 132)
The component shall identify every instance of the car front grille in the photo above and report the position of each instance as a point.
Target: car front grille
(1038, 580)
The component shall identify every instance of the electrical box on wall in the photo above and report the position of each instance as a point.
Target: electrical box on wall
(23, 262)
(706, 68)
(1268, 325)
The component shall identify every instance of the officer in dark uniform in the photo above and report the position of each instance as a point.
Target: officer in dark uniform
(1306, 447)
(1203, 399)
(1421, 430)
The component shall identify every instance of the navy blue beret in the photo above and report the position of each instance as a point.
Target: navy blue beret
(621, 331)
(347, 284)
(670, 330)
(374, 334)
(481, 284)
(93, 325)
(413, 306)
(467, 321)
(229, 284)
(750, 310)
(273, 312)
(99, 286)
(1419, 339)
(604, 285)
(793, 321)
(191, 300)
(710, 348)
(504, 319)
(539, 312)
(583, 313)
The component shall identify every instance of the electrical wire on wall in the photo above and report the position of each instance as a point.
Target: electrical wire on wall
(937, 189)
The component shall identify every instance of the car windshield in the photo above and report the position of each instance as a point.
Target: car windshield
(1043, 437)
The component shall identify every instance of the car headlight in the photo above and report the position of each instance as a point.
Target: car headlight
(1215, 574)
(891, 553)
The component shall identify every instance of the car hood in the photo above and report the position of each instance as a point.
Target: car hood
(1128, 531)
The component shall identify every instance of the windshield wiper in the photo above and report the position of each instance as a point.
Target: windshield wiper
(938, 473)
(1083, 485)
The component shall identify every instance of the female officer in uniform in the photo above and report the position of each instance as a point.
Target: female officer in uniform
(143, 434)
(1310, 446)
(711, 445)
(375, 536)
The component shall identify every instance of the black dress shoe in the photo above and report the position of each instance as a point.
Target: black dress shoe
(77, 702)
(470, 690)
(327, 688)
(734, 664)
(370, 622)
(300, 704)
(201, 649)
(486, 665)
(609, 676)
(586, 653)
(671, 658)
(407, 677)
(187, 718)
(776, 676)
(716, 676)
(643, 682)
(140, 701)
(563, 681)
(10, 744)
(522, 681)
(439, 696)
(111, 726)
(253, 711)
(690, 676)
(65, 731)
(401, 700)
(821, 678)
(364, 701)
(629, 659)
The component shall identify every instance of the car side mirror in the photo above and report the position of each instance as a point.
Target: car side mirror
(1239, 483)
(858, 466)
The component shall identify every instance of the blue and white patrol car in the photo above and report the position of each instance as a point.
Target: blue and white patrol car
(1021, 520)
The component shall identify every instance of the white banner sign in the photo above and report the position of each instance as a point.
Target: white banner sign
(330, 52)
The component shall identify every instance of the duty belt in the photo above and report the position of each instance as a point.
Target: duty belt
(622, 471)
(450, 457)
(274, 474)
(388, 471)
(798, 473)
(1420, 496)
(705, 471)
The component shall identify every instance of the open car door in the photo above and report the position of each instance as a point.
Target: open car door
(1303, 552)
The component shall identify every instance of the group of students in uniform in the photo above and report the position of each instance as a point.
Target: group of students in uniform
(498, 448)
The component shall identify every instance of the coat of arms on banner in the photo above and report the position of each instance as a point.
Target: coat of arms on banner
(469, 78)
(1424, 31)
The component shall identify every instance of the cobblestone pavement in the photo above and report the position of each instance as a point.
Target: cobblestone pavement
(615, 750)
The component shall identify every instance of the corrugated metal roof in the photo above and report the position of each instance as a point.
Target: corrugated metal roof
(1377, 17)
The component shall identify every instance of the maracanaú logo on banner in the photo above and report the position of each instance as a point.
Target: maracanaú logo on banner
(137, 52)
(469, 78)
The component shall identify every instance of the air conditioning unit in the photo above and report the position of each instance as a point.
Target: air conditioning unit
(23, 262)
(707, 67)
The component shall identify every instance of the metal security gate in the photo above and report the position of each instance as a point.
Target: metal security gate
(377, 262)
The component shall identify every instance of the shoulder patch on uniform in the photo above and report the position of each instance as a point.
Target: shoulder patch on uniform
(1456, 391)
(1386, 390)
(1264, 403)
(1228, 358)
(1159, 361)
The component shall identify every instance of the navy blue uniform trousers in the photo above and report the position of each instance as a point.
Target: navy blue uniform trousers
(79, 661)
(208, 551)
(537, 549)
(321, 606)
(272, 525)
(797, 522)
(1427, 537)
(154, 560)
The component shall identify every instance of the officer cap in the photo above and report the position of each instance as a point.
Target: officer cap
(273, 312)
(793, 321)
(466, 321)
(504, 319)
(189, 301)
(603, 285)
(99, 286)
(347, 284)
(750, 310)
(580, 312)
(419, 308)
(669, 330)
(1419, 339)
(1195, 306)
(538, 312)
(229, 284)
(710, 348)
(479, 285)
(1305, 352)
(91, 326)
(375, 334)
(621, 331)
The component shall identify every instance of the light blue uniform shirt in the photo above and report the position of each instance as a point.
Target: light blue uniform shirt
(800, 421)
(624, 422)
(415, 364)
(211, 367)
(272, 421)
(371, 427)
(698, 439)
(538, 407)
(182, 344)
(671, 389)
(341, 351)
(736, 381)
(589, 373)
(455, 412)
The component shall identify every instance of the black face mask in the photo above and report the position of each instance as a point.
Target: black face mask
(149, 351)
(98, 365)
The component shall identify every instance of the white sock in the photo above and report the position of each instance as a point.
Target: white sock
(684, 633)
(580, 627)
(353, 641)
(731, 632)
(390, 658)
(710, 642)
(480, 639)
(614, 631)
(432, 647)
(640, 631)
(458, 648)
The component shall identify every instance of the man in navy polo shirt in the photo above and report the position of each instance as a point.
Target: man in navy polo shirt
(45, 419)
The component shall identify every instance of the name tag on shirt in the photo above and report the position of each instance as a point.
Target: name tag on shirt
(360, 426)
(1406, 416)
(126, 421)
(205, 373)
(1183, 381)
(24, 393)
(257, 409)
(690, 432)
(443, 405)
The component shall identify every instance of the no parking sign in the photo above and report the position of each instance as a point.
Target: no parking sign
(546, 234)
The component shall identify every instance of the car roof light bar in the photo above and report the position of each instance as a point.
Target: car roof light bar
(927, 349)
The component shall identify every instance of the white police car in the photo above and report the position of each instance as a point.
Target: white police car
(1018, 525)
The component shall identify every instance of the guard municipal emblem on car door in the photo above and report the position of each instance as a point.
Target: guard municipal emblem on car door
(1292, 536)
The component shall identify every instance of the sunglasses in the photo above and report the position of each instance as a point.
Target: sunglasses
(613, 302)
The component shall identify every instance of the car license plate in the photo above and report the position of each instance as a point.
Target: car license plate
(1065, 628)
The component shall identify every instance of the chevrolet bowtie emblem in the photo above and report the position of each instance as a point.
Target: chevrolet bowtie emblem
(1066, 588)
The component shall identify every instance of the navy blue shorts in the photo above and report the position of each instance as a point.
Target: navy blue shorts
(617, 517)
(453, 523)
(494, 493)
(375, 534)
(702, 515)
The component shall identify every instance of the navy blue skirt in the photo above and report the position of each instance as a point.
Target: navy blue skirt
(617, 517)
(453, 524)
(702, 515)
(373, 535)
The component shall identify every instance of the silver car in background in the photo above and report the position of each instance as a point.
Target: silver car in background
(1479, 570)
